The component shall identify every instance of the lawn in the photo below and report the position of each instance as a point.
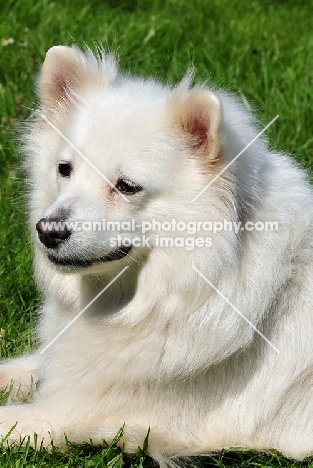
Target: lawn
(262, 50)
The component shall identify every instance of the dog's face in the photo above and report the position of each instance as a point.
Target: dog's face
(114, 150)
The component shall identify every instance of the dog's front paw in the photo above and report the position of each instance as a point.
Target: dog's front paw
(19, 377)
(39, 433)
(18, 423)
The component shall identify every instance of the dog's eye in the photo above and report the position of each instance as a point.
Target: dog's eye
(65, 169)
(127, 187)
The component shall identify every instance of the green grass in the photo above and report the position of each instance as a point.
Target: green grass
(261, 49)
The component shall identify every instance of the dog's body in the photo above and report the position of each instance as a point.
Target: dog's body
(160, 347)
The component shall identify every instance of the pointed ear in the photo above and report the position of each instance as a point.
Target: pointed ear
(64, 72)
(199, 116)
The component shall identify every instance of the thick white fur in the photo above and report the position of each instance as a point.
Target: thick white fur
(160, 348)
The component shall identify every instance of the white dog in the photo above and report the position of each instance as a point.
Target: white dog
(208, 342)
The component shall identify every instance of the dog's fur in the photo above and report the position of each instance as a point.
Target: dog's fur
(161, 348)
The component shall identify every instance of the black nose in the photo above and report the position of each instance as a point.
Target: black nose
(52, 231)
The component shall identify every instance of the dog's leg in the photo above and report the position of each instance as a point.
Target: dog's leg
(20, 375)
(52, 421)
(46, 422)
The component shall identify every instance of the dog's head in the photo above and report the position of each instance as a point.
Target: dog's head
(108, 149)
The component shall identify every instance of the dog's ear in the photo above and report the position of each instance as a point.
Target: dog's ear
(198, 115)
(62, 73)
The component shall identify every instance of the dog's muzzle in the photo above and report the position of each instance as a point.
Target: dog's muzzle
(53, 232)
